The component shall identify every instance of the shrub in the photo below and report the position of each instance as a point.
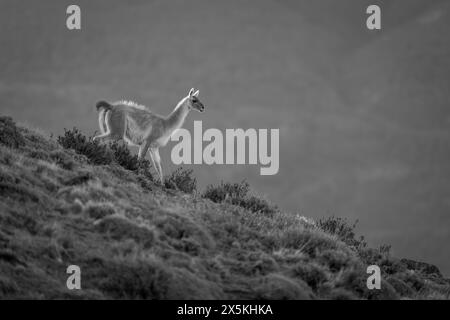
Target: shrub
(236, 193)
(104, 154)
(344, 231)
(128, 161)
(256, 204)
(9, 134)
(385, 249)
(182, 179)
(96, 153)
(423, 268)
(233, 191)
(123, 156)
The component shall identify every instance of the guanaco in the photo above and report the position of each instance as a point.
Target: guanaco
(138, 126)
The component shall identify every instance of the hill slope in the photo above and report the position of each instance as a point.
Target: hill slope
(135, 239)
(362, 115)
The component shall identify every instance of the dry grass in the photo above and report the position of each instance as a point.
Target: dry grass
(134, 240)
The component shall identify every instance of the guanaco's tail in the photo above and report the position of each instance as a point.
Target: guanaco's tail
(103, 107)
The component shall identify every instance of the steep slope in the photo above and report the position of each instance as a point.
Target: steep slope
(264, 64)
(135, 239)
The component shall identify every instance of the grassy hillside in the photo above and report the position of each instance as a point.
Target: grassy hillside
(362, 115)
(70, 201)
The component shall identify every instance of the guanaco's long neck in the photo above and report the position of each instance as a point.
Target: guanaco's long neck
(176, 119)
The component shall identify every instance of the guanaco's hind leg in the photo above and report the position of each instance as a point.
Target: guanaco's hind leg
(102, 137)
(114, 123)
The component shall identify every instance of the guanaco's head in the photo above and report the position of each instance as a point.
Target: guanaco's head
(193, 101)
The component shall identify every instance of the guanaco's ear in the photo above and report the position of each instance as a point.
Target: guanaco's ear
(191, 92)
(196, 93)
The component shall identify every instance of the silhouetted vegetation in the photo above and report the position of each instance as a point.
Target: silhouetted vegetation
(9, 134)
(98, 154)
(237, 194)
(104, 154)
(232, 191)
(124, 157)
(256, 204)
(182, 179)
(343, 230)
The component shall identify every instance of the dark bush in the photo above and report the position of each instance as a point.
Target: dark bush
(343, 230)
(256, 204)
(97, 153)
(182, 179)
(104, 154)
(144, 171)
(9, 134)
(385, 249)
(235, 192)
(124, 157)
(127, 160)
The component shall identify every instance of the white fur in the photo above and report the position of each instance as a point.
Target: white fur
(138, 126)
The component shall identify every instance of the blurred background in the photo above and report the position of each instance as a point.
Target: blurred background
(364, 116)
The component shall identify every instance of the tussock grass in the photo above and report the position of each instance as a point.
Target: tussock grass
(343, 230)
(238, 194)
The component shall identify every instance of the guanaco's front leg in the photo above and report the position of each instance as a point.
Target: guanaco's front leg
(156, 159)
